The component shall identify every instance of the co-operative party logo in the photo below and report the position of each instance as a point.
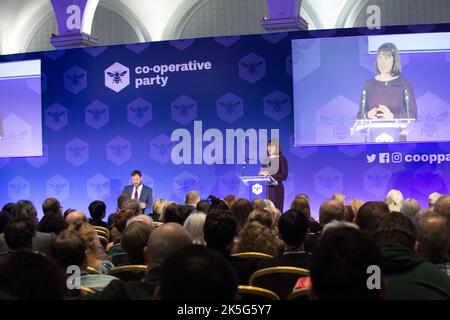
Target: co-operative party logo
(257, 189)
(117, 77)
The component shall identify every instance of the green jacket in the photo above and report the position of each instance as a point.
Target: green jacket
(410, 277)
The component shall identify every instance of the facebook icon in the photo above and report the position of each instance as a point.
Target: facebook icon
(384, 158)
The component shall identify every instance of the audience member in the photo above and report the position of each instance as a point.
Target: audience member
(410, 209)
(192, 198)
(31, 276)
(368, 211)
(433, 239)
(134, 239)
(293, 228)
(256, 237)
(240, 210)
(203, 206)
(339, 265)
(70, 249)
(258, 203)
(97, 211)
(394, 200)
(177, 213)
(230, 200)
(194, 225)
(219, 232)
(197, 273)
(339, 197)
(53, 220)
(432, 198)
(408, 276)
(331, 210)
(24, 210)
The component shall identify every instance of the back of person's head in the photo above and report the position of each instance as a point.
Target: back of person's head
(394, 200)
(339, 197)
(51, 205)
(293, 228)
(216, 203)
(69, 248)
(203, 206)
(303, 196)
(241, 210)
(52, 222)
(141, 218)
(256, 237)
(158, 206)
(134, 239)
(19, 234)
(410, 209)
(88, 233)
(262, 216)
(219, 230)
(230, 199)
(177, 213)
(301, 204)
(97, 210)
(24, 209)
(433, 235)
(121, 218)
(258, 203)
(356, 204)
(368, 211)
(134, 206)
(331, 210)
(194, 225)
(74, 216)
(31, 276)
(121, 200)
(68, 211)
(432, 198)
(442, 206)
(349, 214)
(164, 240)
(197, 273)
(8, 208)
(339, 265)
(393, 228)
(192, 198)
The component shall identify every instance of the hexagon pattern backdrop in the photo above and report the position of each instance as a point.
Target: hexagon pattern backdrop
(110, 110)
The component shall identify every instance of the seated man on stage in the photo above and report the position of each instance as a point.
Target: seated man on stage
(138, 191)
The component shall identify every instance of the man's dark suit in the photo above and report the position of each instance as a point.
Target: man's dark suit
(146, 196)
(41, 242)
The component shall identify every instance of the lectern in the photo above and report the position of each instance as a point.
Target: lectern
(257, 185)
(382, 130)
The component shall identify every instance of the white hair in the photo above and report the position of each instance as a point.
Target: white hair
(194, 225)
(432, 198)
(394, 200)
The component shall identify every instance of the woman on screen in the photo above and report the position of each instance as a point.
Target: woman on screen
(277, 167)
(388, 95)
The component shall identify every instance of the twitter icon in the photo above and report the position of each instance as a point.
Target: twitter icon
(371, 158)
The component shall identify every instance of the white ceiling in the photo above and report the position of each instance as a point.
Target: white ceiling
(156, 19)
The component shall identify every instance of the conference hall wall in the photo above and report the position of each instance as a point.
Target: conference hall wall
(109, 110)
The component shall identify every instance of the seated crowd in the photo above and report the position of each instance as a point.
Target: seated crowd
(215, 249)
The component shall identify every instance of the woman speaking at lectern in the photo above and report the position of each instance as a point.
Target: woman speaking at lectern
(277, 167)
(388, 95)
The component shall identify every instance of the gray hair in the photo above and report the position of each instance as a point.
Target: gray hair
(410, 209)
(194, 225)
(339, 224)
